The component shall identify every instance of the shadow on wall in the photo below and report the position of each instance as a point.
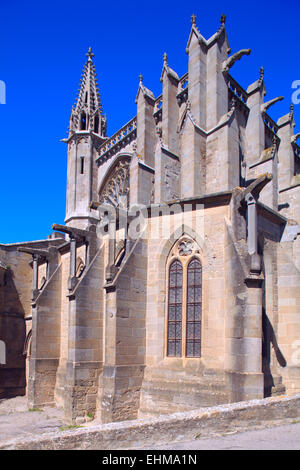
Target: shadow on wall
(12, 333)
(269, 339)
(268, 335)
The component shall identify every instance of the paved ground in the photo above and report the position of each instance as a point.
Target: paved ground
(286, 437)
(17, 422)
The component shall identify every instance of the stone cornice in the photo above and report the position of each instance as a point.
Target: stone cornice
(222, 198)
(79, 134)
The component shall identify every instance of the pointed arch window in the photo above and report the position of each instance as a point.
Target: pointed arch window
(83, 125)
(175, 310)
(96, 126)
(184, 313)
(194, 308)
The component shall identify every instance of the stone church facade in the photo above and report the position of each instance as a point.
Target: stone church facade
(193, 304)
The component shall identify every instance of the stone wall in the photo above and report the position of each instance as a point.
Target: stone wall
(180, 383)
(288, 317)
(85, 343)
(177, 427)
(64, 308)
(125, 338)
(15, 308)
(46, 319)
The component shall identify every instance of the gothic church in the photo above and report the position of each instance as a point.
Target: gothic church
(117, 323)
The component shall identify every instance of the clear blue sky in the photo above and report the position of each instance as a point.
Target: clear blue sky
(43, 46)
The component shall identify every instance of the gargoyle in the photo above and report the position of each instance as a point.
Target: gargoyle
(294, 138)
(268, 104)
(227, 64)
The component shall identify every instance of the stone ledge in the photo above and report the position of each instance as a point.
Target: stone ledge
(175, 427)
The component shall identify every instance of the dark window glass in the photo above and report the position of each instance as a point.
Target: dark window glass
(175, 310)
(81, 165)
(194, 309)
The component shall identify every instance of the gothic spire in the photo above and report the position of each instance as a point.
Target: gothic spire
(87, 110)
(88, 91)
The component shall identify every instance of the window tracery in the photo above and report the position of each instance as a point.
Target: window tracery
(116, 188)
(184, 313)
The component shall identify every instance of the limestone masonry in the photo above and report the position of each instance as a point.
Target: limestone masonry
(168, 312)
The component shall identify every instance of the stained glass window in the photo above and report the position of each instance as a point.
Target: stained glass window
(194, 309)
(175, 310)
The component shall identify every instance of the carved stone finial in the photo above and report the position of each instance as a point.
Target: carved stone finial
(90, 54)
(223, 19)
(165, 57)
(140, 78)
(193, 19)
(262, 73)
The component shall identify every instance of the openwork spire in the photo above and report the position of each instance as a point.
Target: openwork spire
(87, 111)
(89, 91)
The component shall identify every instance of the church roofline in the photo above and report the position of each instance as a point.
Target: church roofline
(29, 243)
(211, 41)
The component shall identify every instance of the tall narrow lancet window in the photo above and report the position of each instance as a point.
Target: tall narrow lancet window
(81, 165)
(184, 309)
(194, 309)
(96, 127)
(83, 121)
(175, 310)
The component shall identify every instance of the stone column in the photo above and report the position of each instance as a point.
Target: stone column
(145, 124)
(170, 108)
(286, 157)
(197, 78)
(35, 275)
(244, 299)
(91, 245)
(217, 90)
(73, 252)
(252, 233)
(111, 268)
(255, 130)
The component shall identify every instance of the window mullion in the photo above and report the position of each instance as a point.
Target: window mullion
(184, 308)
